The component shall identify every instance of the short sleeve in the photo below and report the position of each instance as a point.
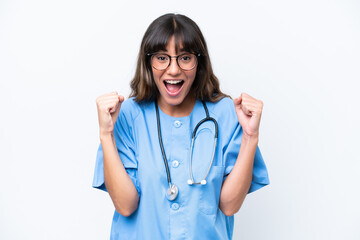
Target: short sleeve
(260, 176)
(123, 134)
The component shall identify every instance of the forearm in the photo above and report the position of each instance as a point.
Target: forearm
(118, 183)
(237, 183)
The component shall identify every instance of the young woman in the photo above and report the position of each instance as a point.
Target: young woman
(179, 156)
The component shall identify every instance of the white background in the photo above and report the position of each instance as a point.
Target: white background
(302, 58)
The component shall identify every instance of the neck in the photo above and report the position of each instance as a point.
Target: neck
(182, 110)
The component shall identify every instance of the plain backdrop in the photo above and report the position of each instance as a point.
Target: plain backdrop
(301, 58)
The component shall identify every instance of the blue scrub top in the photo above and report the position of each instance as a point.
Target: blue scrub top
(195, 213)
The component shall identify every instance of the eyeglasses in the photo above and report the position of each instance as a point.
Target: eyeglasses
(161, 61)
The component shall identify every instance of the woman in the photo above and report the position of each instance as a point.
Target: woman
(168, 180)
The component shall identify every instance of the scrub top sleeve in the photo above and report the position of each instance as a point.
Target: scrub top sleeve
(98, 181)
(260, 176)
(123, 134)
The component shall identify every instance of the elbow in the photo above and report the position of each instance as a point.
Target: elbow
(229, 212)
(126, 211)
(230, 208)
(230, 205)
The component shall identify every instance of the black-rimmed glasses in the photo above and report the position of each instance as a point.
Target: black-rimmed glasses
(161, 61)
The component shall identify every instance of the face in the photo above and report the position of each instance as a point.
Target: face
(173, 83)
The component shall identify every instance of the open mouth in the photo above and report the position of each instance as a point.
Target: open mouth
(173, 87)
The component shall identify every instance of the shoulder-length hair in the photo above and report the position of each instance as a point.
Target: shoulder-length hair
(156, 38)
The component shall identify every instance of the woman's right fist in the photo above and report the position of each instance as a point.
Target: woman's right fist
(108, 107)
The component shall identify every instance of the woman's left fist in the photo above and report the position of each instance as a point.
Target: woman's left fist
(248, 111)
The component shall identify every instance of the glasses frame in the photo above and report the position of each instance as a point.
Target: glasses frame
(177, 60)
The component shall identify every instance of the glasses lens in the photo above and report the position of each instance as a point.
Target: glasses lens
(160, 61)
(187, 61)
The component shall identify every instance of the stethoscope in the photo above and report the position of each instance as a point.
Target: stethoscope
(173, 190)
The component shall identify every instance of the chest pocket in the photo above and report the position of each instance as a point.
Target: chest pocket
(202, 154)
(210, 192)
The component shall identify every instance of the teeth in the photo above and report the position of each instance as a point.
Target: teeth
(173, 81)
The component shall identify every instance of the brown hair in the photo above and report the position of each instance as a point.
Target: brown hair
(205, 86)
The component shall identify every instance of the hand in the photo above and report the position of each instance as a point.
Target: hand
(108, 107)
(248, 111)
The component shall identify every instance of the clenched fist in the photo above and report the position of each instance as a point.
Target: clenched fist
(108, 106)
(248, 111)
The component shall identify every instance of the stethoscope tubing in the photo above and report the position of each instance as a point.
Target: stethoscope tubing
(162, 146)
(173, 190)
(207, 118)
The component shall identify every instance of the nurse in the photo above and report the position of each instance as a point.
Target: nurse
(149, 159)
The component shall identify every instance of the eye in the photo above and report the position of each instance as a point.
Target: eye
(161, 57)
(186, 57)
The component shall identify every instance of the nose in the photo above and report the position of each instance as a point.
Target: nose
(173, 68)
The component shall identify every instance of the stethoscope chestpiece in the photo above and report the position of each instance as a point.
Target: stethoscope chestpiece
(172, 192)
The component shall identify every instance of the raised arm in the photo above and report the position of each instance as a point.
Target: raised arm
(118, 183)
(237, 183)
